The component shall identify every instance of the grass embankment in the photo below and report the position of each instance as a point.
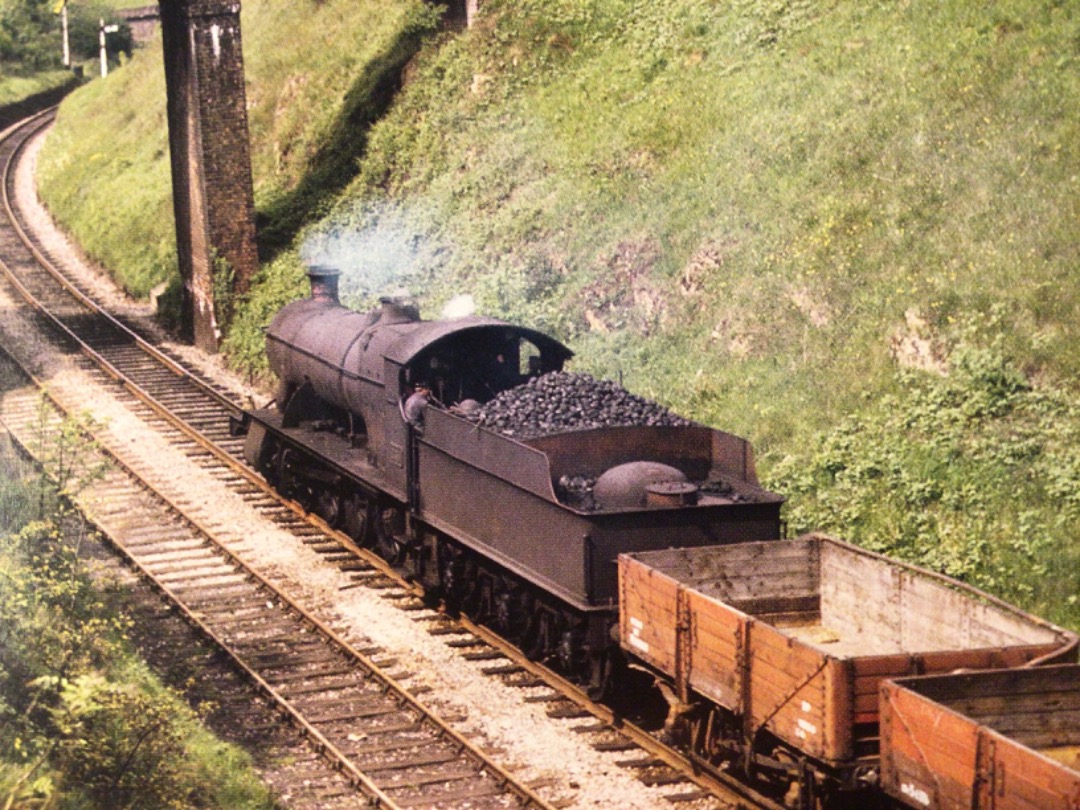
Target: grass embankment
(83, 723)
(755, 212)
(16, 88)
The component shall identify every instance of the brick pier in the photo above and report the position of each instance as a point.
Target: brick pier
(211, 159)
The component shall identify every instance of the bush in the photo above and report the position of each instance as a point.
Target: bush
(82, 723)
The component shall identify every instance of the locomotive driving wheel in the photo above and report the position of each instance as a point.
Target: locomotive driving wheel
(358, 519)
(330, 506)
(289, 466)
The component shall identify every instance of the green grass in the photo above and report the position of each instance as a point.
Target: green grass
(16, 88)
(741, 208)
(85, 174)
(786, 180)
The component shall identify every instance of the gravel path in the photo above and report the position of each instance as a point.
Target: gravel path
(494, 715)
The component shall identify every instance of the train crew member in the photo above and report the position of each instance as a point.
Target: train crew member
(416, 403)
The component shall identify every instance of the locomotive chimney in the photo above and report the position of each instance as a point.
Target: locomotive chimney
(324, 282)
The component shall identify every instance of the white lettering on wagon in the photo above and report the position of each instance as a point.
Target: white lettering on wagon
(916, 793)
(634, 639)
(803, 727)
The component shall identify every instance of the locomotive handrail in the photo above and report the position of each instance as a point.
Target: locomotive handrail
(352, 375)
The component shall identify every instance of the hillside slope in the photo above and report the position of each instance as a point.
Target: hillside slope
(847, 231)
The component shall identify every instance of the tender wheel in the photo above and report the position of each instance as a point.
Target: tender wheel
(390, 541)
(452, 577)
(330, 506)
(540, 641)
(599, 681)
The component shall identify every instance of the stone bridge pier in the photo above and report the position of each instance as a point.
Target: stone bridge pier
(213, 198)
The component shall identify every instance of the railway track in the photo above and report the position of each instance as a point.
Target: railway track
(355, 713)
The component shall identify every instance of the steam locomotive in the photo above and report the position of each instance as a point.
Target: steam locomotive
(520, 529)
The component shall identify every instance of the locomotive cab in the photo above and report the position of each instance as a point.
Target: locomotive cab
(477, 364)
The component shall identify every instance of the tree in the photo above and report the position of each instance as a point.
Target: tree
(29, 35)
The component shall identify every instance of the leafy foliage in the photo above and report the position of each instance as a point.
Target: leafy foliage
(30, 34)
(120, 745)
(82, 724)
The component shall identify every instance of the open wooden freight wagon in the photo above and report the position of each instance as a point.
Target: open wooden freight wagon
(1005, 740)
(777, 650)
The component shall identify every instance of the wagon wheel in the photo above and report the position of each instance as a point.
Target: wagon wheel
(784, 782)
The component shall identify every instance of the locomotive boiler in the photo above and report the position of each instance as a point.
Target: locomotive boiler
(507, 499)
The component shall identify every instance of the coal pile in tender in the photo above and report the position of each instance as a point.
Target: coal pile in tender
(562, 401)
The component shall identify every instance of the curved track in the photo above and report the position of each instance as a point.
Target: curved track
(406, 757)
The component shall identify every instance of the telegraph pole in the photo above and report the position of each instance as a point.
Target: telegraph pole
(60, 7)
(104, 29)
(64, 27)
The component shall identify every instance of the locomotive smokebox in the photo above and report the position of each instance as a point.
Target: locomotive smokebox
(324, 282)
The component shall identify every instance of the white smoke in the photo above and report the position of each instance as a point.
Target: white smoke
(376, 257)
(460, 306)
